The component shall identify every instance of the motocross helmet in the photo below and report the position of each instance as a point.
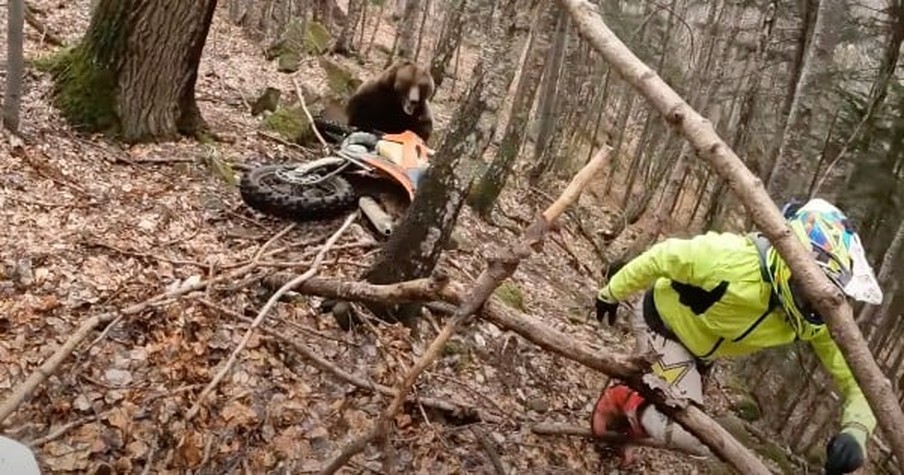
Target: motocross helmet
(837, 249)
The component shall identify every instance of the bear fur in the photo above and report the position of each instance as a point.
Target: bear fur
(395, 101)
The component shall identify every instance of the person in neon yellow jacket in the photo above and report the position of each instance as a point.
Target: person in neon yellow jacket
(724, 295)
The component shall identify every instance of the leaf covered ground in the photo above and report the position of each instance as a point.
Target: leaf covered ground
(90, 227)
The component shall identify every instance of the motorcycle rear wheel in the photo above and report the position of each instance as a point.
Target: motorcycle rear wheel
(268, 190)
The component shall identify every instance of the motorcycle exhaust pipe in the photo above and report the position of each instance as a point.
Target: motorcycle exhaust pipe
(374, 212)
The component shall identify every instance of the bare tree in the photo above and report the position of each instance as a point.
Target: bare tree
(448, 42)
(135, 70)
(493, 180)
(355, 11)
(406, 32)
(788, 177)
(12, 96)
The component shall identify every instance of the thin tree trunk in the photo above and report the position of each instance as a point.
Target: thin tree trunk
(792, 166)
(420, 30)
(15, 64)
(548, 98)
(346, 36)
(492, 182)
(406, 31)
(808, 19)
(448, 42)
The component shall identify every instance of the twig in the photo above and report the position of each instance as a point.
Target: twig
(497, 271)
(488, 447)
(307, 113)
(60, 431)
(34, 22)
(263, 313)
(327, 367)
(280, 140)
(52, 364)
(276, 237)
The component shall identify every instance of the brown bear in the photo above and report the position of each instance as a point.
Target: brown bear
(396, 101)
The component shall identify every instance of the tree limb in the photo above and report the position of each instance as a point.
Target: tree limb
(53, 363)
(749, 189)
(613, 438)
(315, 266)
(497, 271)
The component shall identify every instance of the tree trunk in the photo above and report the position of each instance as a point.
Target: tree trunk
(496, 175)
(793, 165)
(548, 99)
(886, 272)
(347, 35)
(448, 42)
(415, 246)
(15, 63)
(406, 31)
(134, 72)
(827, 298)
(808, 18)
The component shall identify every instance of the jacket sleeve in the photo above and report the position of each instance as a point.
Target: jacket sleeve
(672, 258)
(856, 413)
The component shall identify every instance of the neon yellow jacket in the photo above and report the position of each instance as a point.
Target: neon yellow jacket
(709, 290)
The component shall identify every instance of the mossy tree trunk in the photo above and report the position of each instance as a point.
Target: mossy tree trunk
(134, 72)
(415, 246)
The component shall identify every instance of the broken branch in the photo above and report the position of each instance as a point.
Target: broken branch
(53, 363)
(497, 271)
(263, 313)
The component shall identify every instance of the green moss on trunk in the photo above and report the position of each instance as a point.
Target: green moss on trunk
(83, 92)
(86, 75)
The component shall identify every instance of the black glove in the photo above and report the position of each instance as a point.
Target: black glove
(843, 454)
(605, 308)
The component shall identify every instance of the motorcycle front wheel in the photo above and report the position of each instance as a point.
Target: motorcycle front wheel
(283, 192)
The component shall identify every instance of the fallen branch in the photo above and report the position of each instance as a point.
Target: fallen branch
(417, 290)
(263, 313)
(53, 363)
(827, 298)
(60, 431)
(455, 410)
(46, 35)
(498, 270)
(613, 438)
(307, 113)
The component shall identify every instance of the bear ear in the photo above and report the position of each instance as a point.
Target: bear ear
(388, 76)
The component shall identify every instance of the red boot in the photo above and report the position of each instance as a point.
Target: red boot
(618, 410)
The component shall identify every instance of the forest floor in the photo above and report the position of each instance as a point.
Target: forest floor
(90, 226)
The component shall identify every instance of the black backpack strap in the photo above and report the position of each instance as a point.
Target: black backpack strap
(762, 246)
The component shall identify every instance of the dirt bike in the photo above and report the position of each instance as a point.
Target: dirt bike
(366, 167)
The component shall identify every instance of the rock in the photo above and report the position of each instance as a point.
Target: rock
(511, 295)
(289, 62)
(538, 405)
(291, 124)
(340, 80)
(296, 42)
(268, 101)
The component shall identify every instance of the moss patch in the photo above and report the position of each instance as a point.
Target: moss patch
(511, 295)
(746, 408)
(297, 41)
(83, 90)
(339, 79)
(268, 101)
(316, 39)
(290, 123)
